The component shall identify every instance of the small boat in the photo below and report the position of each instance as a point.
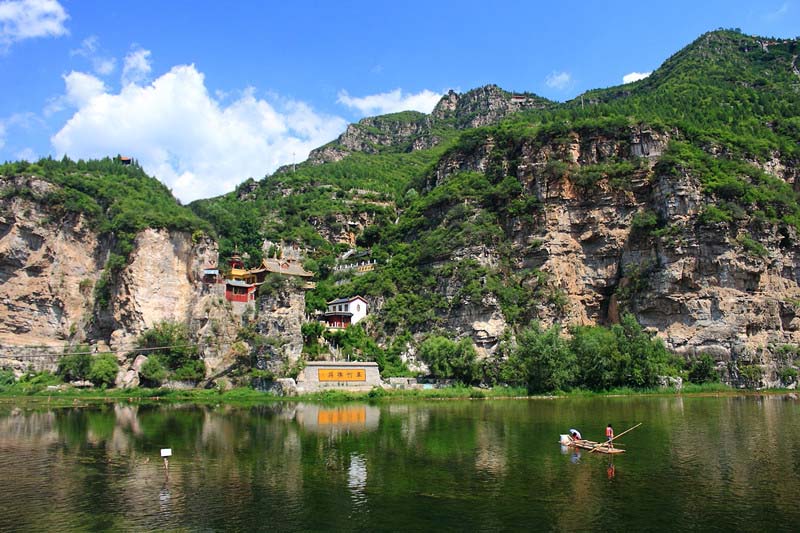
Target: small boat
(597, 447)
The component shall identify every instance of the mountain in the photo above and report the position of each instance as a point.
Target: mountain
(673, 199)
(411, 130)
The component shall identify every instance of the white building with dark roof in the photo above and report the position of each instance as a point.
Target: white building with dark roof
(344, 312)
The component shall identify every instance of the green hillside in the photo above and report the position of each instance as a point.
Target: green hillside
(726, 98)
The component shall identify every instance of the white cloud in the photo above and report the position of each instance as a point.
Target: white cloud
(2, 134)
(82, 88)
(186, 137)
(90, 50)
(391, 102)
(88, 47)
(558, 80)
(136, 67)
(28, 19)
(635, 76)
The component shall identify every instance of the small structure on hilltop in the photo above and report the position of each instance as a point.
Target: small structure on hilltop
(344, 312)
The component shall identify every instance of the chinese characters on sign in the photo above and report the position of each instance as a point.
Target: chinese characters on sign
(342, 374)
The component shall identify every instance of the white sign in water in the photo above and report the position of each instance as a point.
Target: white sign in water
(166, 452)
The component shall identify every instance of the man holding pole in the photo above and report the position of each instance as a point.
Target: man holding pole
(609, 436)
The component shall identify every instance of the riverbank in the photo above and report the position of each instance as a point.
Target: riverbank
(74, 396)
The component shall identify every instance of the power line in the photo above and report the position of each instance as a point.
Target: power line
(115, 351)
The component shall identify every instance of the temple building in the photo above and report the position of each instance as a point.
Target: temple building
(242, 283)
(345, 312)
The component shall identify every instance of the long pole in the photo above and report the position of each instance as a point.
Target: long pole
(615, 438)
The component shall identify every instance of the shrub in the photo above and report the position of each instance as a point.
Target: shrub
(751, 375)
(7, 377)
(103, 371)
(703, 370)
(170, 342)
(752, 246)
(644, 221)
(788, 375)
(153, 372)
(76, 366)
(713, 215)
(190, 371)
(35, 381)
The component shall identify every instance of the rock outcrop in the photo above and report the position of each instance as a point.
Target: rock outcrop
(48, 268)
(51, 263)
(700, 286)
(410, 130)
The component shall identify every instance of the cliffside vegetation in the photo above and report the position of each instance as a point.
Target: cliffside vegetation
(728, 106)
(454, 218)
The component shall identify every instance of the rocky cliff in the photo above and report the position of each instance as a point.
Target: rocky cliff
(48, 268)
(51, 263)
(638, 243)
(409, 131)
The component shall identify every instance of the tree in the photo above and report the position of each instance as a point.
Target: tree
(644, 358)
(598, 357)
(545, 357)
(450, 360)
(76, 366)
(311, 332)
(103, 371)
(153, 372)
(703, 370)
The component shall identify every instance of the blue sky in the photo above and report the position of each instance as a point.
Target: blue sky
(206, 94)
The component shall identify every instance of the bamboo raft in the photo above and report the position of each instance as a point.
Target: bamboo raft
(592, 446)
(597, 447)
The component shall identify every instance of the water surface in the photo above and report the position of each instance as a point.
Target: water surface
(696, 463)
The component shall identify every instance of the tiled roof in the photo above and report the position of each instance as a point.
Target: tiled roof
(291, 268)
(345, 300)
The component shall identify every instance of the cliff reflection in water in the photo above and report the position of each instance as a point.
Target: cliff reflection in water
(695, 463)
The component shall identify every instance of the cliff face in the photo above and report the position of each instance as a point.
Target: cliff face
(483, 106)
(703, 287)
(47, 268)
(161, 282)
(279, 317)
(50, 264)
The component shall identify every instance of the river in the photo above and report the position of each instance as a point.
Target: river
(695, 464)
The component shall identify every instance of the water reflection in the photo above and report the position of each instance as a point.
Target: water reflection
(338, 419)
(357, 479)
(696, 463)
(611, 471)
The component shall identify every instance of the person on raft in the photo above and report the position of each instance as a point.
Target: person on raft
(575, 435)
